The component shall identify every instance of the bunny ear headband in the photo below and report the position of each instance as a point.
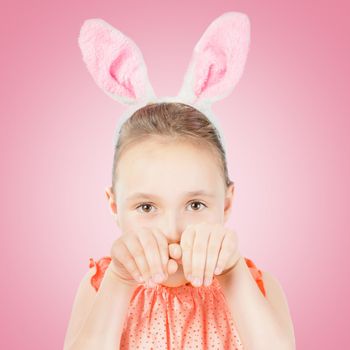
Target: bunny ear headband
(118, 68)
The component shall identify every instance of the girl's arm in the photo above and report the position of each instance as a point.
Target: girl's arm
(102, 326)
(263, 323)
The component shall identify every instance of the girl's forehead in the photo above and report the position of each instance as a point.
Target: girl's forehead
(153, 151)
(169, 159)
(151, 196)
(186, 167)
(165, 144)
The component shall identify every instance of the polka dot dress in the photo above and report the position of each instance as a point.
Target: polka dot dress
(175, 318)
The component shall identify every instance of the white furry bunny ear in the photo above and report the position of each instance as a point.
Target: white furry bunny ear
(218, 60)
(115, 62)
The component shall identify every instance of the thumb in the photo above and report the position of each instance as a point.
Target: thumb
(172, 266)
(175, 251)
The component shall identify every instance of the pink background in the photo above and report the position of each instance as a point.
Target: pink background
(286, 121)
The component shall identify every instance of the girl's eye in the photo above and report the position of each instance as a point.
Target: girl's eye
(193, 204)
(196, 202)
(145, 205)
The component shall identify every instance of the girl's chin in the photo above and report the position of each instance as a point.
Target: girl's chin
(177, 279)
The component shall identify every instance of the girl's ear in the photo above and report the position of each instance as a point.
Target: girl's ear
(114, 61)
(111, 200)
(228, 201)
(218, 59)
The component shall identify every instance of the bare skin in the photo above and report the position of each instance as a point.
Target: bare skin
(149, 168)
(156, 231)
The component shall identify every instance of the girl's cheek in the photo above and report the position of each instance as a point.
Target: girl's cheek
(133, 222)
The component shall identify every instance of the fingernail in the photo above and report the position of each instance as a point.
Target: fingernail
(217, 271)
(139, 279)
(158, 277)
(197, 281)
(150, 283)
(207, 281)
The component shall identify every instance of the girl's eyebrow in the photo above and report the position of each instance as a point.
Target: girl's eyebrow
(186, 194)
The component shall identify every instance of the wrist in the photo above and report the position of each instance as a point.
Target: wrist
(126, 284)
(229, 269)
(228, 273)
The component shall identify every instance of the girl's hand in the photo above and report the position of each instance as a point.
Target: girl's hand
(208, 249)
(175, 254)
(141, 256)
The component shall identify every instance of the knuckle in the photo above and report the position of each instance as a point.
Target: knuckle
(208, 275)
(186, 246)
(130, 265)
(156, 231)
(119, 252)
(148, 245)
(162, 241)
(210, 267)
(200, 246)
(144, 270)
(217, 225)
(197, 268)
(157, 267)
(153, 264)
(117, 243)
(143, 266)
(231, 244)
(148, 241)
(137, 251)
(213, 250)
(128, 240)
(190, 226)
(144, 231)
(232, 235)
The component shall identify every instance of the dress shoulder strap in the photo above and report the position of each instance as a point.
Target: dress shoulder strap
(257, 274)
(101, 266)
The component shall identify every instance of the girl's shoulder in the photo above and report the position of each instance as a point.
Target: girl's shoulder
(102, 264)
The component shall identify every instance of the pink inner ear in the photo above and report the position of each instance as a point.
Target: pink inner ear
(218, 59)
(119, 65)
(208, 74)
(114, 61)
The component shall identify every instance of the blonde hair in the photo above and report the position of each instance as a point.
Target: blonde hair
(171, 120)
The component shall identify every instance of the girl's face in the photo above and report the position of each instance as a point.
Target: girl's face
(169, 185)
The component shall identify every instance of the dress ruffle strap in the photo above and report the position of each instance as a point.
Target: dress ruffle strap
(101, 266)
(257, 274)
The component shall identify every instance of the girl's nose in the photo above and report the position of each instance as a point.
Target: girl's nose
(172, 229)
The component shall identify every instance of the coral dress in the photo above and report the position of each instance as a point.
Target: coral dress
(174, 318)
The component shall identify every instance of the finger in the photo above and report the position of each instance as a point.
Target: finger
(213, 250)
(150, 247)
(186, 244)
(163, 249)
(199, 254)
(172, 266)
(175, 251)
(136, 249)
(121, 256)
(228, 247)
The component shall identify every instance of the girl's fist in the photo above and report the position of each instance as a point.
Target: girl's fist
(141, 256)
(208, 249)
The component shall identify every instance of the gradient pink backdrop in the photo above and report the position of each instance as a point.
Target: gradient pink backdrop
(287, 123)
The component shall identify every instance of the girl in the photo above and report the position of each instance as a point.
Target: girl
(175, 278)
